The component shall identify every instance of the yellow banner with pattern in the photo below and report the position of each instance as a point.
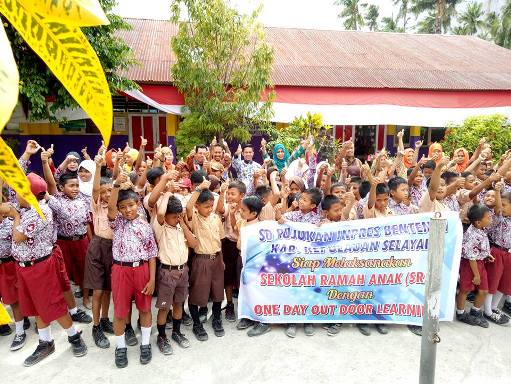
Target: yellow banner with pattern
(9, 80)
(4, 316)
(80, 13)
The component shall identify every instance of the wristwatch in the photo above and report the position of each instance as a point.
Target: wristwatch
(117, 185)
(198, 190)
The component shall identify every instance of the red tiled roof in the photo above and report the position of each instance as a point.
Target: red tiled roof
(347, 59)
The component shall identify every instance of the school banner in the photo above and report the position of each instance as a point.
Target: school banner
(370, 271)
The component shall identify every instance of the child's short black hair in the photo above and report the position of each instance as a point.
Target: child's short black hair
(66, 176)
(174, 206)
(315, 194)
(382, 189)
(105, 180)
(466, 174)
(244, 146)
(328, 201)
(254, 204)
(127, 194)
(356, 180)
(337, 185)
(205, 196)
(153, 174)
(200, 146)
(240, 186)
(198, 177)
(365, 187)
(215, 182)
(395, 182)
(476, 212)
(449, 177)
(430, 164)
(262, 191)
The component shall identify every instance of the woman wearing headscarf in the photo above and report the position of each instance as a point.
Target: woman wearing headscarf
(281, 156)
(69, 165)
(86, 171)
(436, 149)
(461, 159)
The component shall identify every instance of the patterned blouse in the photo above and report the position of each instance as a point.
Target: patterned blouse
(452, 203)
(416, 194)
(401, 208)
(71, 215)
(245, 172)
(41, 235)
(499, 231)
(298, 216)
(476, 245)
(5, 237)
(133, 240)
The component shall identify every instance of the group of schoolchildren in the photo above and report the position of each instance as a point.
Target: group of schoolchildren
(124, 226)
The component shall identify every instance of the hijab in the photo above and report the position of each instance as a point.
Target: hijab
(108, 159)
(466, 159)
(86, 186)
(406, 161)
(432, 148)
(278, 162)
(298, 181)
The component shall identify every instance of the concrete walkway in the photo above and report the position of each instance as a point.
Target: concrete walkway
(465, 355)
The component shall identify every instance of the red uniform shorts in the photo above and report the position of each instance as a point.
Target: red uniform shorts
(466, 276)
(65, 284)
(74, 252)
(499, 272)
(8, 283)
(40, 290)
(128, 283)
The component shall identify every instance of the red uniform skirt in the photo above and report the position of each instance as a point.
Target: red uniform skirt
(74, 252)
(8, 283)
(466, 276)
(499, 272)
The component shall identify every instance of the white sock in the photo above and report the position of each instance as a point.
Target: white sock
(121, 342)
(487, 304)
(496, 299)
(72, 311)
(45, 333)
(477, 309)
(146, 334)
(460, 311)
(19, 327)
(71, 331)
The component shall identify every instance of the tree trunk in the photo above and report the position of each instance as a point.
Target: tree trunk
(440, 11)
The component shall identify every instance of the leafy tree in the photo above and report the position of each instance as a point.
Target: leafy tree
(371, 17)
(444, 12)
(404, 11)
(501, 28)
(471, 20)
(389, 24)
(223, 66)
(427, 25)
(37, 82)
(495, 128)
(491, 26)
(351, 13)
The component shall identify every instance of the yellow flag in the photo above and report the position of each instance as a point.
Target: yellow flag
(13, 175)
(9, 80)
(4, 316)
(68, 54)
(79, 13)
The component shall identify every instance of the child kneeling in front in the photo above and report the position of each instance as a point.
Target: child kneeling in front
(475, 250)
(134, 266)
(173, 237)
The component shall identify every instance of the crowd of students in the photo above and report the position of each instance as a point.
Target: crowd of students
(125, 226)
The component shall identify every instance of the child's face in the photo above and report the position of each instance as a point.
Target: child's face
(84, 175)
(305, 203)
(234, 195)
(506, 207)
(442, 189)
(128, 209)
(470, 182)
(339, 191)
(216, 173)
(382, 201)
(172, 218)
(71, 188)
(489, 199)
(485, 222)
(294, 189)
(246, 214)
(355, 188)
(427, 172)
(104, 192)
(335, 212)
(205, 209)
(141, 169)
(73, 164)
(401, 193)
(418, 179)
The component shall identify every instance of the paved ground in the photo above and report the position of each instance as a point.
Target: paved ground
(465, 355)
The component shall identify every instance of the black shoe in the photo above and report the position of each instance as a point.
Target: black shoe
(26, 323)
(218, 327)
(77, 345)
(497, 317)
(186, 319)
(480, 320)
(99, 337)
(364, 329)
(5, 330)
(78, 294)
(466, 318)
(19, 341)
(199, 332)
(180, 339)
(333, 329)
(244, 324)
(106, 326)
(129, 336)
(163, 344)
(415, 329)
(229, 312)
(145, 354)
(382, 329)
(203, 314)
(507, 307)
(43, 350)
(308, 329)
(290, 330)
(259, 329)
(121, 357)
(81, 317)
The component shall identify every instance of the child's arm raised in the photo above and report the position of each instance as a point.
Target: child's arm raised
(195, 195)
(220, 206)
(498, 197)
(162, 208)
(189, 236)
(141, 153)
(112, 202)
(97, 178)
(48, 176)
(434, 182)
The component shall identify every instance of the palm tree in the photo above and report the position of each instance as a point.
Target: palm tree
(472, 19)
(371, 18)
(428, 24)
(351, 14)
(389, 24)
(443, 10)
(491, 26)
(404, 11)
(503, 32)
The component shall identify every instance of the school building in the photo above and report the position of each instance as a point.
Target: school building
(367, 85)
